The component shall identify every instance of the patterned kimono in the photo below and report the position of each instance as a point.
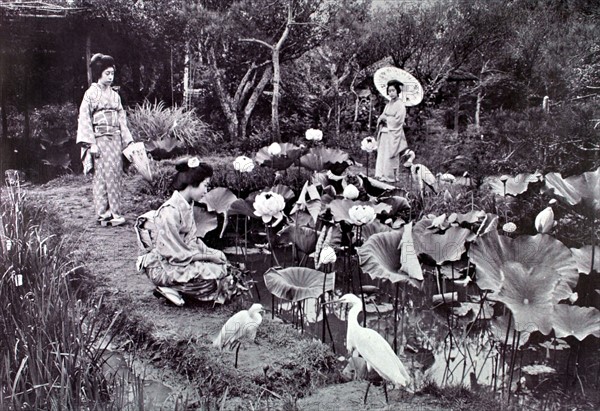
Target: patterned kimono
(173, 261)
(390, 140)
(102, 122)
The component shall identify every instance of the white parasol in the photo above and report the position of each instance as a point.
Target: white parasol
(412, 91)
(136, 153)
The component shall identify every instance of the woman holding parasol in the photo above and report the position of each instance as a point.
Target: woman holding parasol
(102, 133)
(390, 135)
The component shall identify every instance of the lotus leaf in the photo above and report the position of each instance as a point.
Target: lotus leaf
(283, 191)
(297, 283)
(409, 263)
(398, 204)
(380, 257)
(583, 258)
(529, 294)
(241, 207)
(471, 217)
(513, 185)
(205, 221)
(576, 321)
(490, 251)
(288, 155)
(304, 238)
(323, 158)
(448, 246)
(501, 325)
(373, 228)
(219, 200)
(582, 189)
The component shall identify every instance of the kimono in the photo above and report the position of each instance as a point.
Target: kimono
(390, 140)
(179, 259)
(102, 122)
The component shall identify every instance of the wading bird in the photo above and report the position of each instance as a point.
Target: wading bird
(241, 325)
(373, 348)
(420, 174)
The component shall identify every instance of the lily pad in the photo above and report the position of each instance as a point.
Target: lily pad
(380, 257)
(297, 283)
(582, 189)
(579, 322)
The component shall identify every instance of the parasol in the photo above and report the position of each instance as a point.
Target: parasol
(412, 91)
(136, 153)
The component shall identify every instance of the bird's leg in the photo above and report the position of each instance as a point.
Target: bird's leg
(237, 351)
(385, 391)
(367, 392)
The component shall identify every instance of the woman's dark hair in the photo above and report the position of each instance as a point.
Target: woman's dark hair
(190, 176)
(99, 63)
(396, 84)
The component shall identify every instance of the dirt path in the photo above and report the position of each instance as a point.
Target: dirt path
(177, 340)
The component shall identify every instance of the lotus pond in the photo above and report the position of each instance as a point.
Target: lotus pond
(476, 286)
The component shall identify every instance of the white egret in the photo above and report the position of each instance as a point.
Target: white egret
(420, 173)
(373, 348)
(242, 324)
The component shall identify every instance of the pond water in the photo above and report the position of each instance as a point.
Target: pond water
(448, 343)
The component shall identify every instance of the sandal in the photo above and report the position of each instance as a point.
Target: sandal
(171, 295)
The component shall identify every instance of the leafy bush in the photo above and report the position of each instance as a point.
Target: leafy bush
(154, 122)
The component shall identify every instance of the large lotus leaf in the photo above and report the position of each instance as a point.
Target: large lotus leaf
(304, 238)
(397, 203)
(490, 251)
(322, 158)
(584, 188)
(219, 200)
(380, 257)
(514, 185)
(373, 228)
(289, 154)
(583, 258)
(283, 190)
(471, 217)
(205, 221)
(409, 262)
(308, 194)
(241, 207)
(448, 246)
(576, 321)
(503, 328)
(297, 283)
(339, 208)
(528, 293)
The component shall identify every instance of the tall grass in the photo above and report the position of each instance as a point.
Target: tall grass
(51, 342)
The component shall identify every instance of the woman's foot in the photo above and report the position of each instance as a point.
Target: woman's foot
(117, 220)
(171, 295)
(104, 217)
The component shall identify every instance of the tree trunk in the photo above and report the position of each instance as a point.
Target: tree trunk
(224, 99)
(3, 99)
(264, 80)
(186, 77)
(480, 97)
(88, 57)
(277, 78)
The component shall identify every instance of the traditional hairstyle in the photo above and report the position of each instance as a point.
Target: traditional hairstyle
(99, 63)
(190, 176)
(396, 84)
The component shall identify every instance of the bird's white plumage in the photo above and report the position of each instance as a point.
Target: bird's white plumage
(242, 324)
(420, 173)
(371, 346)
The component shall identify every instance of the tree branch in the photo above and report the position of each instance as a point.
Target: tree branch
(264, 43)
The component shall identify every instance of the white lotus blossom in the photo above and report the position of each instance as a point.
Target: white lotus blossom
(193, 162)
(509, 227)
(361, 214)
(274, 149)
(269, 205)
(351, 192)
(544, 221)
(368, 144)
(314, 134)
(243, 164)
(327, 255)
(573, 297)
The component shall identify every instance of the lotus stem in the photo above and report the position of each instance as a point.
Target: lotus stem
(246, 241)
(272, 307)
(273, 255)
(514, 346)
(362, 294)
(368, 155)
(503, 358)
(323, 306)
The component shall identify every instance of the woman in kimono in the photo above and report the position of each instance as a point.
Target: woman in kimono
(390, 135)
(103, 134)
(179, 262)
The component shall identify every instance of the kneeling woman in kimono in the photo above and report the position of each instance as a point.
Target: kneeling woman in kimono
(178, 262)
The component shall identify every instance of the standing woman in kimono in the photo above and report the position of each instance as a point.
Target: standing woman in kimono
(103, 134)
(390, 135)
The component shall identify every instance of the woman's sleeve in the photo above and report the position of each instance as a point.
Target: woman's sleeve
(169, 242)
(126, 136)
(85, 129)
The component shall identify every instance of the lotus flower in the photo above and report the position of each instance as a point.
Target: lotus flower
(268, 205)
(361, 214)
(545, 221)
(243, 164)
(368, 144)
(327, 255)
(314, 134)
(274, 149)
(350, 192)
